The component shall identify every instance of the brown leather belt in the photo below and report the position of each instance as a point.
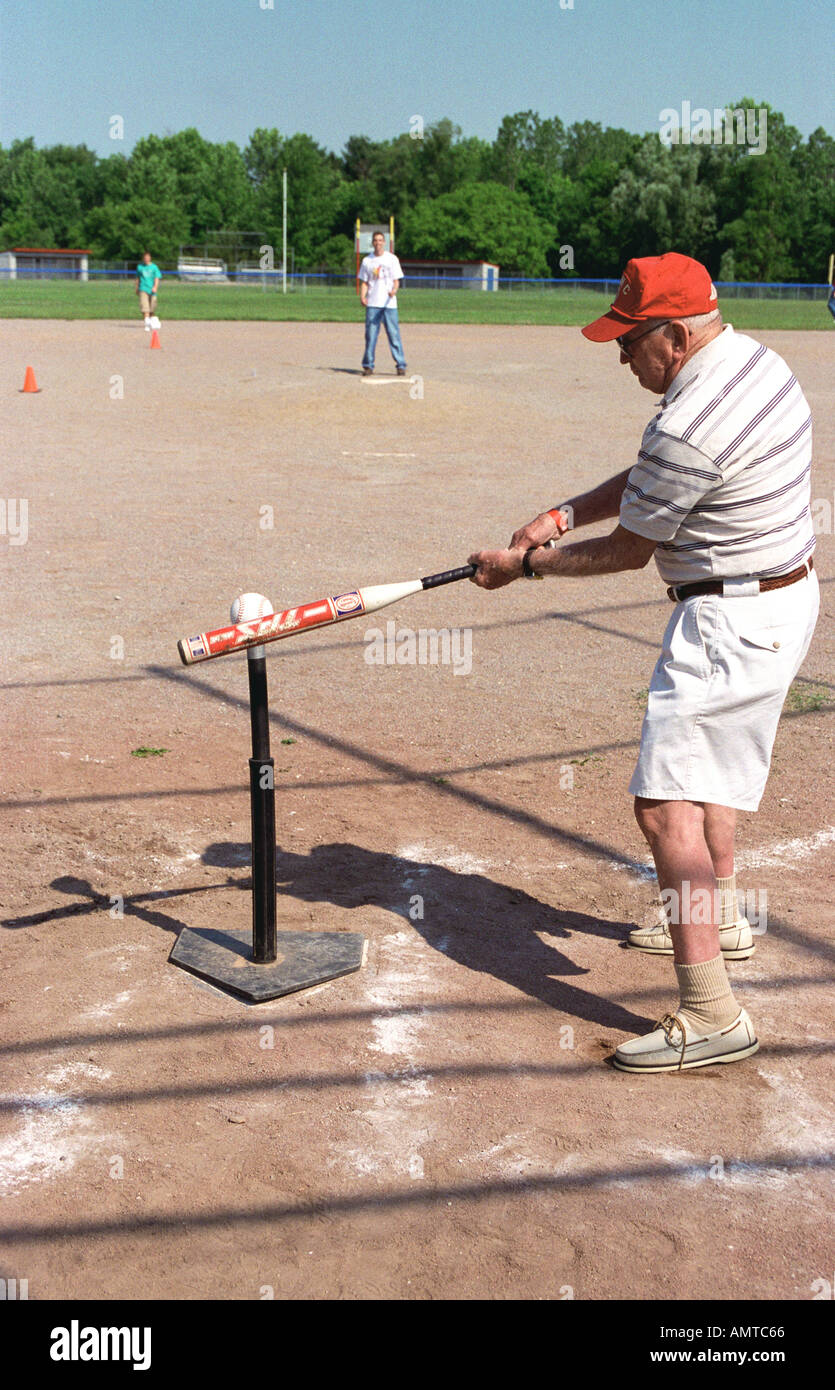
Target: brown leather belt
(716, 586)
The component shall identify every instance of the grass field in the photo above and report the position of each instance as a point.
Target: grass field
(51, 299)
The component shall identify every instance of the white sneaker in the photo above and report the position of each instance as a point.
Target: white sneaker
(674, 1045)
(147, 326)
(736, 940)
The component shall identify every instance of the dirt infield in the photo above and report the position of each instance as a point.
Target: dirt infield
(442, 1124)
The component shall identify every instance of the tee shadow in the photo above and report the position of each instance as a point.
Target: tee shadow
(483, 925)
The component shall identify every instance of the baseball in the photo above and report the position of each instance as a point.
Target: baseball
(249, 606)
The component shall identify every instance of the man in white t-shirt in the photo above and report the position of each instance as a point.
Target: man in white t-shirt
(380, 276)
(719, 496)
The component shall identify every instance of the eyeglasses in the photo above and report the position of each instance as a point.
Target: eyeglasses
(627, 345)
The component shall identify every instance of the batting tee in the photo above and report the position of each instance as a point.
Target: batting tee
(363, 240)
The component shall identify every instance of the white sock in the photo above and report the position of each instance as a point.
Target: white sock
(728, 906)
(707, 1001)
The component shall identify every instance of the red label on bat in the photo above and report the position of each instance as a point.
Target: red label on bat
(252, 633)
(309, 615)
(348, 603)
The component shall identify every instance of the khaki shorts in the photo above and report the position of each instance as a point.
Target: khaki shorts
(147, 302)
(717, 693)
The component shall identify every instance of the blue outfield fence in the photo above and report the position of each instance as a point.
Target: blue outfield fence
(300, 281)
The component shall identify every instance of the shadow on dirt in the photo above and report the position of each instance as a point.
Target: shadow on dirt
(470, 918)
(483, 925)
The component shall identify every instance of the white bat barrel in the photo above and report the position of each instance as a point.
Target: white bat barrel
(381, 595)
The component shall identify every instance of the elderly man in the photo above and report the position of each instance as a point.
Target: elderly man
(380, 276)
(719, 496)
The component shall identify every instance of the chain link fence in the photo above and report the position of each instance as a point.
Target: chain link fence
(301, 281)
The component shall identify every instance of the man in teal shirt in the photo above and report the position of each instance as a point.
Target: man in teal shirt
(148, 277)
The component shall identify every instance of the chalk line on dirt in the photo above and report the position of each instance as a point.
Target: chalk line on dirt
(407, 975)
(398, 1129)
(55, 1130)
(459, 861)
(506, 1158)
(783, 854)
(790, 1118)
(106, 1009)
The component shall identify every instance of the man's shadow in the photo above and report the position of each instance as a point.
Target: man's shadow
(483, 925)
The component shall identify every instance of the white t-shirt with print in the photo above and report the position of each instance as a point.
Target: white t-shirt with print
(380, 273)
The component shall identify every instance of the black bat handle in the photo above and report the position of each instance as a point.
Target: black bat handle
(432, 581)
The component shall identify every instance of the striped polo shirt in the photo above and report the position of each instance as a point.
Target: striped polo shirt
(722, 480)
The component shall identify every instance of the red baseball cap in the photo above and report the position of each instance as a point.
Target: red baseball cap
(655, 287)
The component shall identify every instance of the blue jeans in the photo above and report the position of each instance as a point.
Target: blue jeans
(373, 319)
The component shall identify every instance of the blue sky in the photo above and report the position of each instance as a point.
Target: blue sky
(333, 70)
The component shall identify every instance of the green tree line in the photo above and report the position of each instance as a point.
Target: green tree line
(542, 199)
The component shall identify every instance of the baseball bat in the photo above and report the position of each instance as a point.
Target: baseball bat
(258, 631)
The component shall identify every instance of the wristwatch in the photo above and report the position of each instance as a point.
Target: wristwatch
(526, 560)
(526, 563)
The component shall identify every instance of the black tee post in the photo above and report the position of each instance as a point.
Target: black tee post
(265, 964)
(262, 807)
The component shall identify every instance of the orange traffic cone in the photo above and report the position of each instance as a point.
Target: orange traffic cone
(29, 383)
(155, 342)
